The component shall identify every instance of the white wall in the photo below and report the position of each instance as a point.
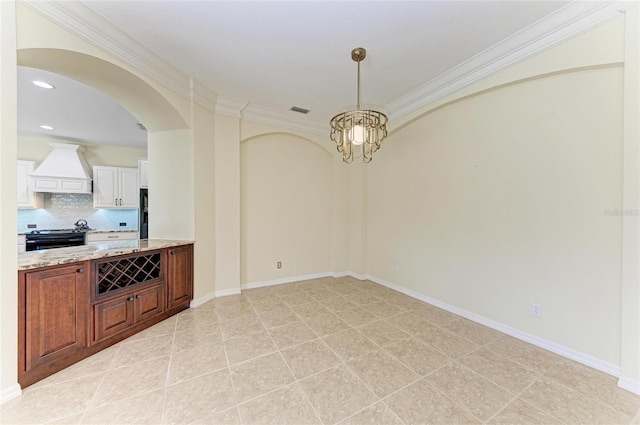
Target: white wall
(286, 208)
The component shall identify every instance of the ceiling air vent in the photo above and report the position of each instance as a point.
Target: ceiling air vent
(301, 110)
(141, 127)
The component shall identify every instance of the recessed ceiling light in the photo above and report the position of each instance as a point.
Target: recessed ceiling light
(43, 84)
(46, 127)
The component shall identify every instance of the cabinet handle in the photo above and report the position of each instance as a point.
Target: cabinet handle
(130, 299)
(80, 271)
(138, 296)
(173, 252)
(120, 201)
(112, 237)
(115, 201)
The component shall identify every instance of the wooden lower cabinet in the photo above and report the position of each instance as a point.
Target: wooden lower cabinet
(66, 313)
(113, 316)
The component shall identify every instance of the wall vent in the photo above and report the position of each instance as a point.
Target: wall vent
(301, 110)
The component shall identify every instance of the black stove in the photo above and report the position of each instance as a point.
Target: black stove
(55, 238)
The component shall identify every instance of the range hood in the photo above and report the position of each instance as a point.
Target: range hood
(64, 170)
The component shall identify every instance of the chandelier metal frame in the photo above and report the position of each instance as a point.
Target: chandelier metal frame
(358, 133)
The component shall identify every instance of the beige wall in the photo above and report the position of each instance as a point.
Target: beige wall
(286, 208)
(36, 149)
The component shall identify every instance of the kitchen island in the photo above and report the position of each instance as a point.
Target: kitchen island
(76, 301)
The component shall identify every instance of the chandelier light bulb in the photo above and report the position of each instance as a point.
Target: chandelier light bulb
(356, 134)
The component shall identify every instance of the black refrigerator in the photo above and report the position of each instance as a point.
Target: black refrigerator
(143, 212)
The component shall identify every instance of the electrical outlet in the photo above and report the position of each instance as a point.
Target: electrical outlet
(123, 224)
(396, 269)
(279, 264)
(536, 310)
(32, 226)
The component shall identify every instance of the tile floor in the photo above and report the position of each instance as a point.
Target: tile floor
(327, 351)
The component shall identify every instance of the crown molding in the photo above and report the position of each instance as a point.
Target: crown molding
(230, 106)
(571, 20)
(203, 96)
(278, 118)
(83, 22)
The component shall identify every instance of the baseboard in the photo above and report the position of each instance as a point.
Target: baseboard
(212, 295)
(358, 276)
(561, 350)
(629, 385)
(254, 285)
(10, 393)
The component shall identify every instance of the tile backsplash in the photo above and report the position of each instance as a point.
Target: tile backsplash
(62, 210)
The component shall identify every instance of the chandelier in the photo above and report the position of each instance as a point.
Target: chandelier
(358, 133)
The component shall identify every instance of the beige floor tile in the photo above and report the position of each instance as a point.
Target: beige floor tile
(241, 326)
(142, 351)
(383, 333)
(524, 354)
(286, 406)
(404, 302)
(310, 310)
(292, 334)
(309, 358)
(280, 317)
(196, 361)
(327, 324)
(234, 311)
(357, 316)
(231, 301)
(227, 417)
(378, 414)
(142, 409)
(520, 412)
(409, 323)
(256, 377)
(166, 327)
(595, 384)
(321, 294)
(499, 370)
(198, 398)
(92, 365)
(382, 372)
(475, 332)
(470, 390)
(191, 338)
(382, 309)
(570, 406)
(284, 289)
(337, 303)
(51, 402)
(350, 344)
(446, 342)
(249, 346)
(268, 304)
(297, 298)
(196, 317)
(362, 298)
(434, 315)
(418, 356)
(336, 394)
(130, 381)
(420, 403)
(69, 420)
(258, 293)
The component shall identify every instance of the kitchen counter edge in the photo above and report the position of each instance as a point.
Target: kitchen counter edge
(53, 257)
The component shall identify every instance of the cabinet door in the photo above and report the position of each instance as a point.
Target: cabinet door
(110, 317)
(128, 188)
(143, 173)
(56, 313)
(149, 303)
(105, 187)
(179, 275)
(27, 198)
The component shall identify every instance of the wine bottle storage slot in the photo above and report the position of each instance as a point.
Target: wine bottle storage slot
(125, 272)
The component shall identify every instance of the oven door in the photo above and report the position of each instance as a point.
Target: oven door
(39, 242)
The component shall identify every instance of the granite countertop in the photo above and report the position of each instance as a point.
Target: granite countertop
(111, 230)
(52, 257)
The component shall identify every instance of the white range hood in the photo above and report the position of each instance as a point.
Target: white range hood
(64, 170)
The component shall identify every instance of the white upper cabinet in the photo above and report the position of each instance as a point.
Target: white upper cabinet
(115, 187)
(27, 198)
(143, 166)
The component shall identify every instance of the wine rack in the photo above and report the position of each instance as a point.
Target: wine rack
(125, 272)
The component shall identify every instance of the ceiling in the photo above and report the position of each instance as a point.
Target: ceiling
(275, 55)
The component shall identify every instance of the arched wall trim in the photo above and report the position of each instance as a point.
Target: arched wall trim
(324, 148)
(134, 94)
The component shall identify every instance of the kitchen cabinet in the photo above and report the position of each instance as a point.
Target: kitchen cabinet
(115, 187)
(143, 177)
(27, 198)
(52, 302)
(179, 275)
(94, 238)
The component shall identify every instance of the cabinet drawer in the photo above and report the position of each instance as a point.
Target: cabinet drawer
(111, 236)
